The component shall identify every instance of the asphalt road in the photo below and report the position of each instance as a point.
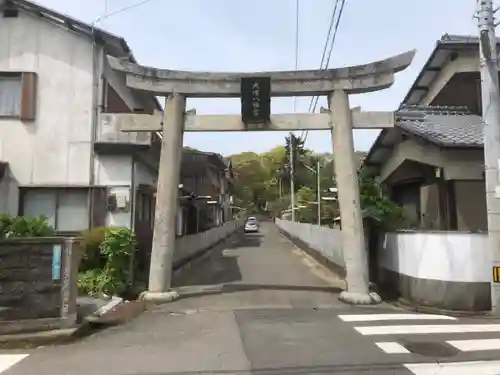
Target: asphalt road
(259, 306)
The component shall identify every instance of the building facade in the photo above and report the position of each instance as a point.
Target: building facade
(208, 177)
(59, 158)
(432, 161)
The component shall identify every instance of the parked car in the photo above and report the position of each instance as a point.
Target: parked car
(251, 226)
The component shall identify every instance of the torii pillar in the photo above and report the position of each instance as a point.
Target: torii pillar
(336, 84)
(353, 239)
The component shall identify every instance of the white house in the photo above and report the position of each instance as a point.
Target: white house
(58, 157)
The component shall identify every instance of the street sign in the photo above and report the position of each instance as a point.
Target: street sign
(496, 274)
(255, 102)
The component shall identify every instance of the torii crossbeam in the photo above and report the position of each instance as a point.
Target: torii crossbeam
(336, 84)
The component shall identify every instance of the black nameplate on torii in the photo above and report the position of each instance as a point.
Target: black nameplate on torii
(255, 101)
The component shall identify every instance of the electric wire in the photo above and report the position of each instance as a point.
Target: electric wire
(121, 10)
(332, 43)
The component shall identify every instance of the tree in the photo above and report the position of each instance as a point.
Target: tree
(300, 155)
(306, 202)
(251, 181)
(257, 184)
(375, 202)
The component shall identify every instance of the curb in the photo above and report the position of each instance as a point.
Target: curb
(406, 305)
(36, 339)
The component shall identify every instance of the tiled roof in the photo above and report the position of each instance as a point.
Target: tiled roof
(444, 126)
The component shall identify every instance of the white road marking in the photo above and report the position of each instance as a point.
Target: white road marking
(378, 317)
(475, 345)
(455, 368)
(9, 360)
(424, 329)
(392, 347)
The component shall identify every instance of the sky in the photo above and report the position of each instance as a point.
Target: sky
(259, 35)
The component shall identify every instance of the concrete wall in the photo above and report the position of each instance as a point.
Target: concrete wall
(324, 241)
(119, 173)
(116, 173)
(189, 247)
(55, 148)
(38, 292)
(449, 270)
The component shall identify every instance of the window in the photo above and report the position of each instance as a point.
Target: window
(66, 209)
(10, 96)
(18, 95)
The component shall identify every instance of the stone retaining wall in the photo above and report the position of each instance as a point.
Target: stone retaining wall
(37, 283)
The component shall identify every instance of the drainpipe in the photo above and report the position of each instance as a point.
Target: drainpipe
(97, 99)
(132, 217)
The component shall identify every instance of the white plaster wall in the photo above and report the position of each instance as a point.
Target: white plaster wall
(115, 172)
(54, 149)
(326, 240)
(187, 246)
(447, 256)
(144, 175)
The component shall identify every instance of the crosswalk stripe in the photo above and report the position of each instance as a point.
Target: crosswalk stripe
(9, 360)
(475, 345)
(392, 347)
(455, 368)
(423, 329)
(379, 317)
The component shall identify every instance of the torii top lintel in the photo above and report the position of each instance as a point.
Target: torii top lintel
(352, 79)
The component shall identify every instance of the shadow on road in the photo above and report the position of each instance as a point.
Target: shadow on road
(340, 369)
(245, 240)
(215, 267)
(186, 292)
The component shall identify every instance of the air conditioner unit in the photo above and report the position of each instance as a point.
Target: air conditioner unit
(118, 201)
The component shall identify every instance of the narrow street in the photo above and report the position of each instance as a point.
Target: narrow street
(259, 306)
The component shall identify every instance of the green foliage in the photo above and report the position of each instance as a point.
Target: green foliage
(105, 268)
(91, 252)
(265, 178)
(23, 226)
(376, 203)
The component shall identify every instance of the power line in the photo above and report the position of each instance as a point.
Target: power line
(330, 28)
(312, 106)
(325, 48)
(332, 42)
(121, 10)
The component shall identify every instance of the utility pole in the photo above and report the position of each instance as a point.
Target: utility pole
(279, 188)
(491, 116)
(318, 177)
(292, 178)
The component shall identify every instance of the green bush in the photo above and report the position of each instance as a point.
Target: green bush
(23, 226)
(105, 268)
(91, 253)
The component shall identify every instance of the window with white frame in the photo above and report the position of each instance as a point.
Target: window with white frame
(66, 209)
(10, 95)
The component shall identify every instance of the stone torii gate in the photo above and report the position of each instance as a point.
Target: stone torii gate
(336, 84)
